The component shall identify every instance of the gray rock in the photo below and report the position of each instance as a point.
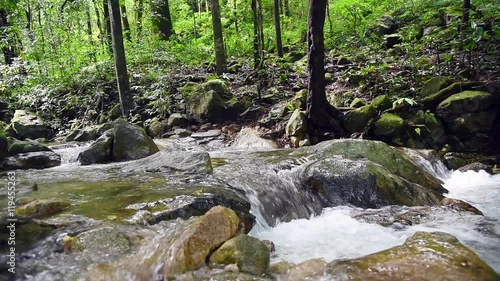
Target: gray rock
(208, 134)
(27, 125)
(131, 142)
(177, 119)
(249, 138)
(99, 151)
(31, 160)
(26, 146)
(173, 161)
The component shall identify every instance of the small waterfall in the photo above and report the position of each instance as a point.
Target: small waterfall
(426, 160)
(69, 152)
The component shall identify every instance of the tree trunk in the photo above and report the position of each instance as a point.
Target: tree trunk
(277, 26)
(107, 35)
(126, 26)
(287, 8)
(256, 45)
(119, 57)
(98, 17)
(235, 16)
(12, 47)
(465, 13)
(321, 114)
(89, 22)
(162, 23)
(220, 54)
(140, 12)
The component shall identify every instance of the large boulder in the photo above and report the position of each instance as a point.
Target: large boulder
(99, 151)
(424, 256)
(131, 142)
(249, 138)
(356, 120)
(250, 254)
(88, 133)
(383, 25)
(28, 125)
(212, 101)
(469, 116)
(191, 249)
(31, 160)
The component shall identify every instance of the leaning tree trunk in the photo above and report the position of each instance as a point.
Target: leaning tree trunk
(277, 26)
(119, 57)
(220, 54)
(322, 116)
(162, 23)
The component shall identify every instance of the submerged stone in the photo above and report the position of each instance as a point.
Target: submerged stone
(43, 208)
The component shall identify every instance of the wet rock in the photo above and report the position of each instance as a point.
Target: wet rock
(249, 138)
(356, 120)
(308, 270)
(43, 208)
(174, 162)
(248, 253)
(424, 256)
(476, 167)
(99, 151)
(382, 102)
(31, 160)
(389, 125)
(270, 245)
(28, 125)
(186, 206)
(26, 146)
(191, 249)
(28, 231)
(131, 142)
(212, 101)
(459, 205)
(207, 135)
(102, 241)
(177, 119)
(434, 85)
(157, 128)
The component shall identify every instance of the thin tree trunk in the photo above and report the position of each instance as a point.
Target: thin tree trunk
(330, 24)
(89, 23)
(256, 45)
(321, 114)
(235, 16)
(287, 8)
(126, 26)
(107, 35)
(98, 17)
(119, 57)
(162, 22)
(12, 48)
(465, 13)
(140, 12)
(277, 25)
(220, 54)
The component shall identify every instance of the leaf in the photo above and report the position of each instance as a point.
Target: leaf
(417, 130)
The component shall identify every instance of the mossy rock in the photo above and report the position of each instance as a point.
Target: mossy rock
(115, 112)
(466, 101)
(28, 231)
(4, 145)
(131, 142)
(27, 125)
(434, 85)
(250, 254)
(157, 128)
(18, 147)
(190, 250)
(356, 120)
(424, 256)
(99, 151)
(43, 208)
(383, 25)
(389, 125)
(382, 102)
(297, 125)
(433, 100)
(358, 102)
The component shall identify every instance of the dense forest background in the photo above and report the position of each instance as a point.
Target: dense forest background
(59, 60)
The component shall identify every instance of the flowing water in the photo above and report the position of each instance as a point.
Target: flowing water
(103, 192)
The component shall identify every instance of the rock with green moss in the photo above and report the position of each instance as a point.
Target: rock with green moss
(434, 85)
(157, 128)
(250, 254)
(389, 125)
(433, 100)
(190, 250)
(28, 125)
(424, 256)
(212, 101)
(298, 102)
(358, 102)
(27, 230)
(26, 146)
(99, 151)
(131, 142)
(382, 102)
(383, 25)
(43, 208)
(115, 112)
(466, 101)
(356, 120)
(177, 119)
(4, 145)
